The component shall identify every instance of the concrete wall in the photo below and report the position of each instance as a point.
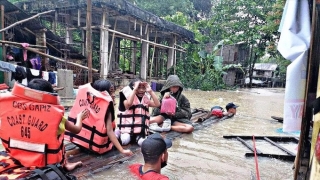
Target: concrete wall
(65, 79)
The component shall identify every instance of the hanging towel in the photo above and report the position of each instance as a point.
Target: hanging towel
(24, 45)
(33, 74)
(7, 67)
(52, 78)
(34, 63)
(45, 75)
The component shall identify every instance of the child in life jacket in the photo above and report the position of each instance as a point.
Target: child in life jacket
(133, 116)
(43, 85)
(97, 134)
(39, 112)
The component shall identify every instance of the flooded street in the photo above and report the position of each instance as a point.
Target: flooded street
(205, 154)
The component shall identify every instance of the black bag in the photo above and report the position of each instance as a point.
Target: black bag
(50, 172)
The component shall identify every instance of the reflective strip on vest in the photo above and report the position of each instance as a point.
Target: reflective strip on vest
(29, 126)
(93, 134)
(135, 120)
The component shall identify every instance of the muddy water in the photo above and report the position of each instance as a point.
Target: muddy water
(206, 154)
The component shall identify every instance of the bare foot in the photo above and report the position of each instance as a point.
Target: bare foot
(72, 166)
(58, 88)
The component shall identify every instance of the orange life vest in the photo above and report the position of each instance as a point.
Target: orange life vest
(29, 126)
(10, 168)
(93, 134)
(135, 120)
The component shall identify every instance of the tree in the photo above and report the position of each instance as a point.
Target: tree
(243, 21)
(272, 26)
(166, 7)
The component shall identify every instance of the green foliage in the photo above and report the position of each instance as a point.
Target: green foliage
(168, 7)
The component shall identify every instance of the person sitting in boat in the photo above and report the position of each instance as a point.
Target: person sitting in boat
(180, 121)
(218, 111)
(155, 155)
(34, 127)
(133, 116)
(97, 134)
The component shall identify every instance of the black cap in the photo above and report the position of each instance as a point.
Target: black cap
(155, 144)
(231, 105)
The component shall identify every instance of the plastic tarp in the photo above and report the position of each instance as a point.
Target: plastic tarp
(293, 45)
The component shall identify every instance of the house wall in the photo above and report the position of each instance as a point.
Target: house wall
(230, 78)
(266, 74)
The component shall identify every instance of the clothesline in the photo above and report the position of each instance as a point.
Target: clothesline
(25, 75)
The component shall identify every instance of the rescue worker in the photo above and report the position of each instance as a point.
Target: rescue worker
(33, 126)
(133, 113)
(180, 121)
(155, 155)
(97, 134)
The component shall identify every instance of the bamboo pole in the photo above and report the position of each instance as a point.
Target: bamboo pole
(89, 39)
(140, 39)
(58, 59)
(111, 46)
(46, 43)
(154, 50)
(120, 34)
(55, 58)
(24, 20)
(18, 44)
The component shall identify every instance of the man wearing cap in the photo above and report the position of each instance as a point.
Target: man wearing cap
(219, 112)
(155, 155)
(231, 109)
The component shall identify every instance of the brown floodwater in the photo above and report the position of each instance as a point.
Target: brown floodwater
(205, 154)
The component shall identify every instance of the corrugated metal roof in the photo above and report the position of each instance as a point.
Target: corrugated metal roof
(18, 14)
(122, 6)
(265, 66)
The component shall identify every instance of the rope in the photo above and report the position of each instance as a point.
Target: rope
(255, 157)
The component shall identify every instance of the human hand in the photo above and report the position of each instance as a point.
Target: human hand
(147, 86)
(127, 152)
(84, 114)
(166, 95)
(136, 86)
(170, 114)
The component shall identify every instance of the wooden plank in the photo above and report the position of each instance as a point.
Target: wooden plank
(274, 138)
(248, 145)
(279, 119)
(279, 146)
(277, 156)
(93, 163)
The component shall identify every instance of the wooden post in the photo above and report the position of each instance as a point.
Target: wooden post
(2, 33)
(156, 65)
(41, 41)
(79, 17)
(68, 31)
(134, 57)
(3, 76)
(144, 57)
(55, 23)
(104, 46)
(83, 44)
(171, 53)
(153, 53)
(112, 46)
(89, 39)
